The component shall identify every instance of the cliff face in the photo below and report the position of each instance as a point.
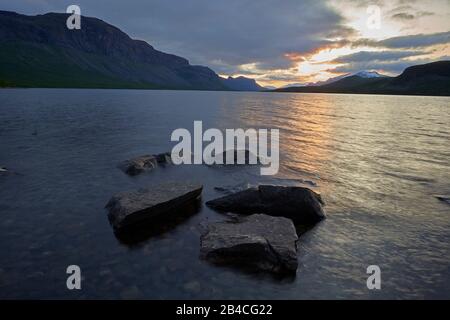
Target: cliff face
(41, 51)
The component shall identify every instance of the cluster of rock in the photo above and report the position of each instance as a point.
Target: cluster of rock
(267, 238)
(263, 236)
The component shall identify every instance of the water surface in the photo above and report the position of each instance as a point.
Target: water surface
(378, 161)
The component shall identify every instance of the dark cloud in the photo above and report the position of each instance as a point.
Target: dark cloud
(371, 56)
(425, 14)
(415, 41)
(403, 16)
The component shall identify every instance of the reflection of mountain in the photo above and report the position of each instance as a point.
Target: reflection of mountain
(39, 51)
(428, 79)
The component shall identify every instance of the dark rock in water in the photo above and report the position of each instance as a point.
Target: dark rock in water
(164, 158)
(302, 205)
(135, 234)
(139, 164)
(143, 163)
(445, 198)
(259, 241)
(132, 207)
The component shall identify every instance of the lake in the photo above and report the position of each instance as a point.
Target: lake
(378, 162)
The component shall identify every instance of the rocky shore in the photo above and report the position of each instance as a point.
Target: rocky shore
(262, 237)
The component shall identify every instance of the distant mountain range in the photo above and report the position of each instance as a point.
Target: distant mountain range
(427, 79)
(362, 74)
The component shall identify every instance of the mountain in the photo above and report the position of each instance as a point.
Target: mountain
(296, 84)
(241, 84)
(39, 51)
(361, 74)
(369, 74)
(427, 79)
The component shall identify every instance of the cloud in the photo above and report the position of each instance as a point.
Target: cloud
(403, 16)
(371, 56)
(416, 41)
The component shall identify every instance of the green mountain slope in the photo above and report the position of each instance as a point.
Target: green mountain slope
(39, 51)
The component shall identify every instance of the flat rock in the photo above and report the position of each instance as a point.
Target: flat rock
(131, 207)
(144, 163)
(259, 241)
(300, 204)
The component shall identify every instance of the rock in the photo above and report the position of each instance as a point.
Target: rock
(138, 165)
(143, 163)
(302, 205)
(445, 198)
(258, 241)
(132, 207)
(164, 158)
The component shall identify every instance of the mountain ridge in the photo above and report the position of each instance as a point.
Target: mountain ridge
(426, 79)
(39, 51)
(242, 84)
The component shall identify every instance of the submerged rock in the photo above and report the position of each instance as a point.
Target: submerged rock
(302, 205)
(164, 158)
(138, 165)
(132, 207)
(143, 163)
(257, 241)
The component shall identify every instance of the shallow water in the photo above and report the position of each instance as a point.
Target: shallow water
(378, 161)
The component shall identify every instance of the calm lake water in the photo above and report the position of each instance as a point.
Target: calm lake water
(378, 161)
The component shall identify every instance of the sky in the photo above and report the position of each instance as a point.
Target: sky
(278, 42)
